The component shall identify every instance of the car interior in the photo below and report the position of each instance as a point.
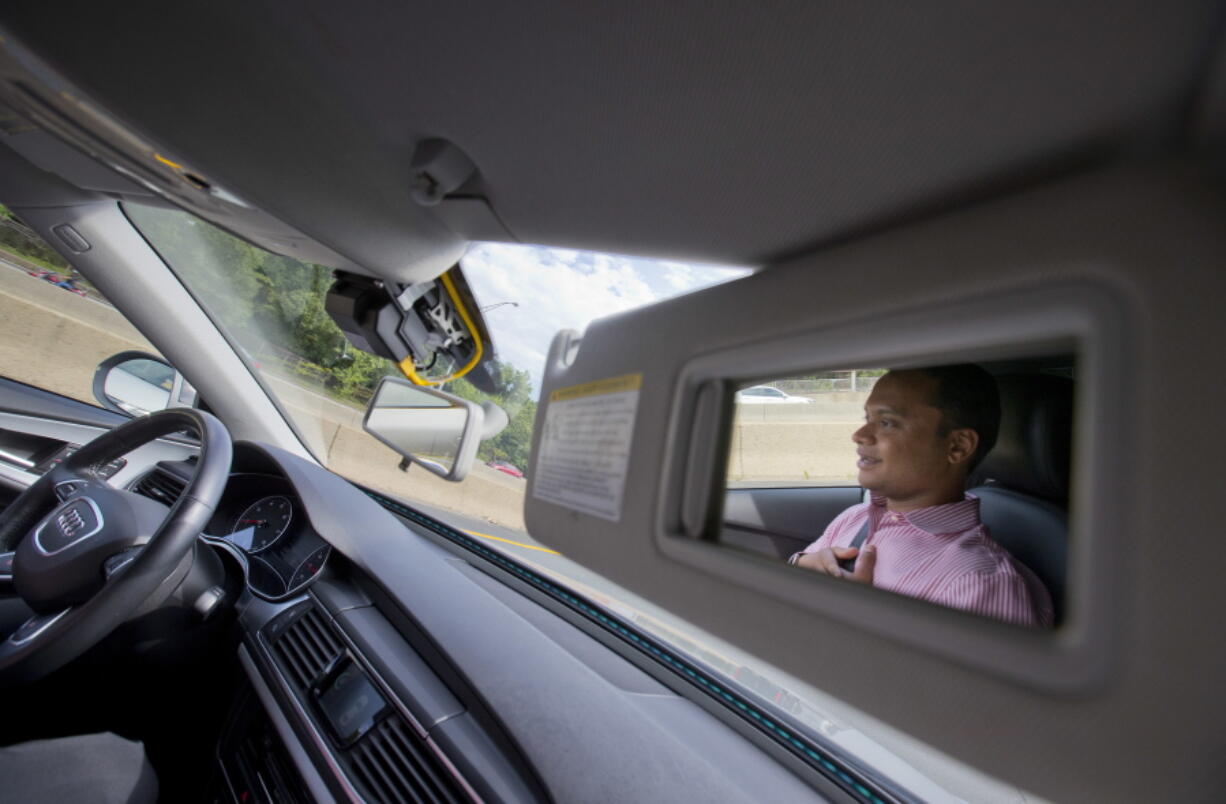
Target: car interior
(1022, 484)
(200, 603)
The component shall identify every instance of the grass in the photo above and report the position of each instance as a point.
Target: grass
(59, 269)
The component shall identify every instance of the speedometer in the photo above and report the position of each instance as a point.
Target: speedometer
(263, 523)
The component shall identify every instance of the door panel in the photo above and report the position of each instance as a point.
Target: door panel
(38, 428)
(777, 522)
(17, 397)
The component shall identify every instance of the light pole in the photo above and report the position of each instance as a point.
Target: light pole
(499, 304)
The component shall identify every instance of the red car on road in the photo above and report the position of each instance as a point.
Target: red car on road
(503, 466)
(59, 280)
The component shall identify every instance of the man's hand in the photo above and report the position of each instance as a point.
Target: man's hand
(827, 560)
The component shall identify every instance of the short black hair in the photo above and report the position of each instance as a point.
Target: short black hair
(967, 397)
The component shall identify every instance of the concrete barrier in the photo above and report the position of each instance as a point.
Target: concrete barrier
(797, 443)
(800, 452)
(54, 339)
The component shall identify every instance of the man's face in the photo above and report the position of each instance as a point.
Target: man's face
(900, 454)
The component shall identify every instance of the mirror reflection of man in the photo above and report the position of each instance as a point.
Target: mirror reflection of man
(920, 534)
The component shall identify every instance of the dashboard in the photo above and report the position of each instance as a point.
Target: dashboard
(381, 662)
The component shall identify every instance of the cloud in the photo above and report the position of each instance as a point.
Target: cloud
(565, 289)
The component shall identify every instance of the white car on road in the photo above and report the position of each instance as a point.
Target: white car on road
(766, 395)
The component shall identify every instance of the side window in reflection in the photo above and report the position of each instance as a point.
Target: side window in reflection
(944, 483)
(797, 431)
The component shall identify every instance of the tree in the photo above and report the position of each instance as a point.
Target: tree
(514, 396)
(15, 236)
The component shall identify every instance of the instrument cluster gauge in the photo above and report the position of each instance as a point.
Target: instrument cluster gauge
(265, 521)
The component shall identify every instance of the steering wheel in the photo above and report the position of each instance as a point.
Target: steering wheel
(101, 552)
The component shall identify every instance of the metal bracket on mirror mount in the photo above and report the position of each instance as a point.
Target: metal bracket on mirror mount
(433, 429)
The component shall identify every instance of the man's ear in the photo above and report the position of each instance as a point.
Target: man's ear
(962, 445)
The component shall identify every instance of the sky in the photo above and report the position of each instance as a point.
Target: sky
(557, 288)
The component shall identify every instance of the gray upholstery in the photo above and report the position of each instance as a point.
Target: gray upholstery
(100, 768)
(1032, 451)
(1022, 484)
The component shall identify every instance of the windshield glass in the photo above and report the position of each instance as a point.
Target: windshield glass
(272, 309)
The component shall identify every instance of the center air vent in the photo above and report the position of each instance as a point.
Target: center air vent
(393, 765)
(306, 647)
(159, 486)
(389, 762)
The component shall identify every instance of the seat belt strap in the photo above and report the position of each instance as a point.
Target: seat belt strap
(849, 564)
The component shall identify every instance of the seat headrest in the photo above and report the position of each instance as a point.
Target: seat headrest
(1035, 442)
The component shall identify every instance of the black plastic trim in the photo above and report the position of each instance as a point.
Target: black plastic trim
(27, 400)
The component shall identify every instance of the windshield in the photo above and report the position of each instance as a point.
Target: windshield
(272, 309)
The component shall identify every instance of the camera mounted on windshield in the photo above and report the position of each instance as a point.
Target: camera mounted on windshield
(432, 330)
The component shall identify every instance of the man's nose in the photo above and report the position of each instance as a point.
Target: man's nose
(862, 435)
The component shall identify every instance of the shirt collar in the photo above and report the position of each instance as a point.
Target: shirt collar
(938, 519)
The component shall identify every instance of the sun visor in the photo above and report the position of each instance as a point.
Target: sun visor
(636, 446)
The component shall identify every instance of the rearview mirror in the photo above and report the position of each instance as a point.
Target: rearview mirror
(137, 383)
(436, 430)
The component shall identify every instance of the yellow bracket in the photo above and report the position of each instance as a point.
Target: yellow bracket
(409, 370)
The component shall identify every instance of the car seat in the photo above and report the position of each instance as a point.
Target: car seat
(101, 768)
(1023, 483)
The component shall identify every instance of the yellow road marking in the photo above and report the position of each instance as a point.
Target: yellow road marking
(508, 541)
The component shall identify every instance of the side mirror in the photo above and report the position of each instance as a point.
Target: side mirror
(432, 428)
(137, 384)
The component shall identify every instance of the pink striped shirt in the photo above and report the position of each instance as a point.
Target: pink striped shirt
(943, 554)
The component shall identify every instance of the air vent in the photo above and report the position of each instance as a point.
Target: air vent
(393, 764)
(390, 762)
(159, 486)
(256, 764)
(306, 647)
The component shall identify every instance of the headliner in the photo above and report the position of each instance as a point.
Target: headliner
(725, 132)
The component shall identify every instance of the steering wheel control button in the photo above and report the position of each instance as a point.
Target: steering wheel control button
(70, 488)
(108, 470)
(72, 522)
(118, 561)
(6, 563)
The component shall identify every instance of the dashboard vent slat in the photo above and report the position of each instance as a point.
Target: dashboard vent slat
(311, 655)
(410, 755)
(307, 647)
(396, 766)
(374, 774)
(159, 486)
(298, 665)
(316, 638)
(391, 763)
